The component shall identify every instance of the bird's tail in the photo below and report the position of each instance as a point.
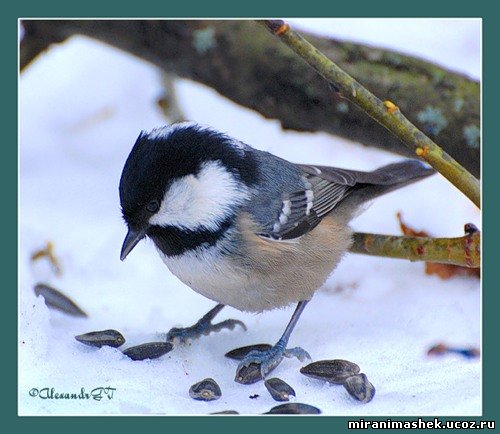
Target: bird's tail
(370, 185)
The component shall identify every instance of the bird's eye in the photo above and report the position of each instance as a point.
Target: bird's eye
(153, 206)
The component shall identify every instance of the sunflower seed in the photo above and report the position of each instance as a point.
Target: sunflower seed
(226, 412)
(248, 374)
(360, 388)
(333, 371)
(240, 353)
(279, 390)
(110, 338)
(205, 390)
(150, 350)
(294, 408)
(57, 300)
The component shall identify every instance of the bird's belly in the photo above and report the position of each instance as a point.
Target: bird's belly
(265, 274)
(226, 282)
(214, 277)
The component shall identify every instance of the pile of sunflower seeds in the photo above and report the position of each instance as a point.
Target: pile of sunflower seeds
(209, 390)
(341, 372)
(344, 373)
(113, 338)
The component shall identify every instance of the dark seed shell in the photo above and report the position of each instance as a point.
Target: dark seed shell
(226, 412)
(150, 350)
(110, 338)
(333, 371)
(294, 408)
(360, 388)
(205, 390)
(279, 390)
(57, 300)
(240, 353)
(248, 374)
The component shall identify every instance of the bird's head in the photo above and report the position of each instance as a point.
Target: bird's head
(182, 184)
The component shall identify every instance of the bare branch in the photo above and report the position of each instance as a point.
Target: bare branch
(463, 251)
(386, 113)
(246, 64)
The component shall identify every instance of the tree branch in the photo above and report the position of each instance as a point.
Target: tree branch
(386, 113)
(246, 64)
(34, 43)
(463, 251)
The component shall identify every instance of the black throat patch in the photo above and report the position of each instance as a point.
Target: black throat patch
(174, 241)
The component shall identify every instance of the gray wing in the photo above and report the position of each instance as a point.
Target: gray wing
(302, 210)
(325, 187)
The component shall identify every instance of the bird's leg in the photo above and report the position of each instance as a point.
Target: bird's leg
(203, 327)
(269, 359)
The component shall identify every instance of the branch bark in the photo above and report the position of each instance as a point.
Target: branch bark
(463, 251)
(247, 65)
(386, 113)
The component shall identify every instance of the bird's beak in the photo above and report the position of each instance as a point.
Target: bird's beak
(131, 240)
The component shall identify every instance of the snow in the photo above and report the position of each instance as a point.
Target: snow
(82, 106)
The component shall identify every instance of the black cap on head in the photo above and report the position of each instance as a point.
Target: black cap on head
(166, 154)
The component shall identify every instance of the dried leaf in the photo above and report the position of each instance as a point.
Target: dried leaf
(408, 231)
(441, 349)
(445, 271)
(48, 252)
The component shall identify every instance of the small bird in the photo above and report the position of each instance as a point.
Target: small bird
(241, 226)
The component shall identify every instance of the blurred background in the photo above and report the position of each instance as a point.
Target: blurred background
(83, 104)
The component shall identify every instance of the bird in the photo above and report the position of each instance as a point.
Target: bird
(243, 227)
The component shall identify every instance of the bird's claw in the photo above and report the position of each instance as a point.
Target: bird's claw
(201, 328)
(229, 324)
(298, 352)
(265, 362)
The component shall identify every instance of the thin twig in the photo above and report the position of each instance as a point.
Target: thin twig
(386, 113)
(463, 251)
(169, 101)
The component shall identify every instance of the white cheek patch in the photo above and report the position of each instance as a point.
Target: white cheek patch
(202, 201)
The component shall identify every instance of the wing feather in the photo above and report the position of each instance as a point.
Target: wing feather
(301, 211)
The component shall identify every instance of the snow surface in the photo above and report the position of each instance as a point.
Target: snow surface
(81, 107)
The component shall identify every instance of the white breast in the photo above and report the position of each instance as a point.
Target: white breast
(214, 276)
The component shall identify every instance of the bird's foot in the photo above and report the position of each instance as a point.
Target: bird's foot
(201, 328)
(257, 364)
